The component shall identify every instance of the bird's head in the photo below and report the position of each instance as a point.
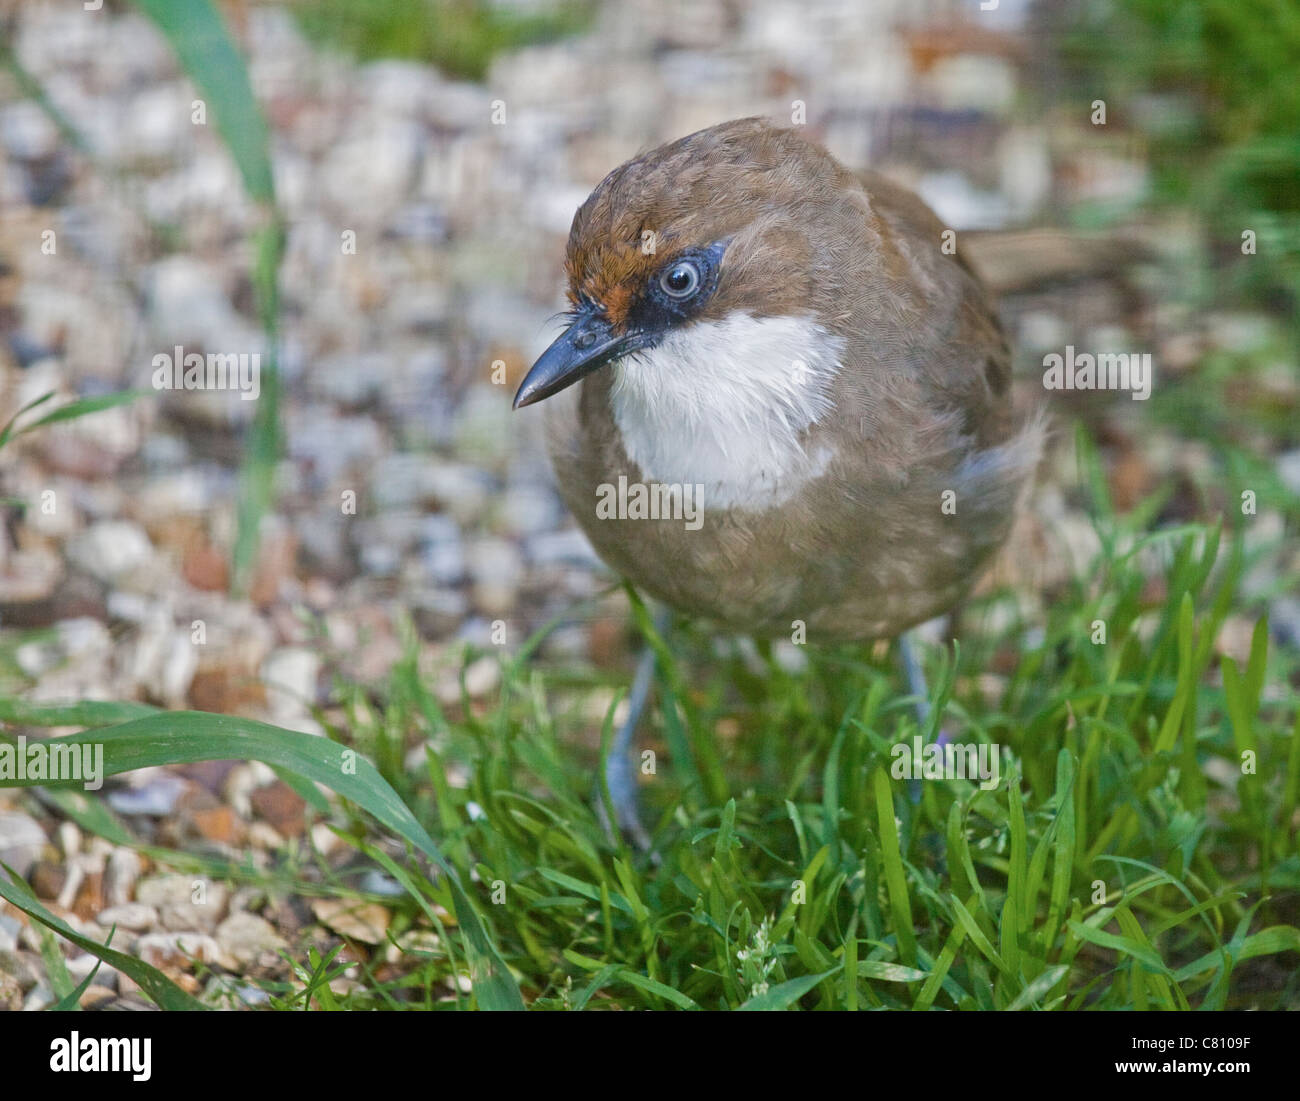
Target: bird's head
(730, 219)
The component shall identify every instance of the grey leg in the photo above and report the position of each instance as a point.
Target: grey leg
(916, 687)
(915, 677)
(620, 768)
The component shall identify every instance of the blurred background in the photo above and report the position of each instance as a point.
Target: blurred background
(1124, 172)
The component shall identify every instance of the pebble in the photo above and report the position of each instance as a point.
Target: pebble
(20, 966)
(129, 915)
(30, 576)
(481, 677)
(176, 949)
(21, 841)
(496, 567)
(83, 963)
(569, 547)
(121, 872)
(38, 998)
(97, 995)
(10, 927)
(290, 675)
(11, 993)
(174, 897)
(244, 937)
(27, 132)
(380, 162)
(438, 612)
(364, 921)
(443, 554)
(156, 796)
(109, 549)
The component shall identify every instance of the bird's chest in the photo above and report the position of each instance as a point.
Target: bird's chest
(726, 407)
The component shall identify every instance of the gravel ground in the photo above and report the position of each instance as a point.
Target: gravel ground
(399, 362)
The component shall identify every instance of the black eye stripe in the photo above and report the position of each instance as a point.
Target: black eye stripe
(663, 304)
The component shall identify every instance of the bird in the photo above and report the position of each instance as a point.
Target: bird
(782, 402)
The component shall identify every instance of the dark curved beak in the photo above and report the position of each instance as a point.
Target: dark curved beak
(584, 346)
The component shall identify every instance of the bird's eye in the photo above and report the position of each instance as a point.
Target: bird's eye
(681, 280)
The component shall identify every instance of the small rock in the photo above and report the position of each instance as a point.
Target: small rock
(82, 964)
(276, 558)
(177, 949)
(363, 921)
(562, 548)
(30, 576)
(399, 481)
(22, 967)
(496, 567)
(481, 677)
(244, 937)
(438, 612)
(123, 869)
(69, 838)
(380, 162)
(290, 676)
(27, 132)
(324, 840)
(483, 426)
(375, 882)
(262, 835)
(459, 488)
(205, 567)
(528, 511)
(156, 797)
(97, 997)
(417, 942)
(40, 997)
(21, 842)
(11, 993)
(109, 549)
(443, 556)
(10, 927)
(130, 915)
(217, 824)
(89, 898)
(281, 806)
(177, 898)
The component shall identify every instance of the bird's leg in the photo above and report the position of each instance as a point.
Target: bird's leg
(620, 765)
(915, 677)
(916, 687)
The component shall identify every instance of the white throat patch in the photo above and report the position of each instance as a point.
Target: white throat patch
(724, 403)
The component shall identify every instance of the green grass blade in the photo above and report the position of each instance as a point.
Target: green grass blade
(785, 994)
(895, 876)
(1038, 988)
(80, 713)
(653, 986)
(185, 736)
(7, 432)
(1063, 854)
(83, 407)
(155, 985)
(207, 53)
